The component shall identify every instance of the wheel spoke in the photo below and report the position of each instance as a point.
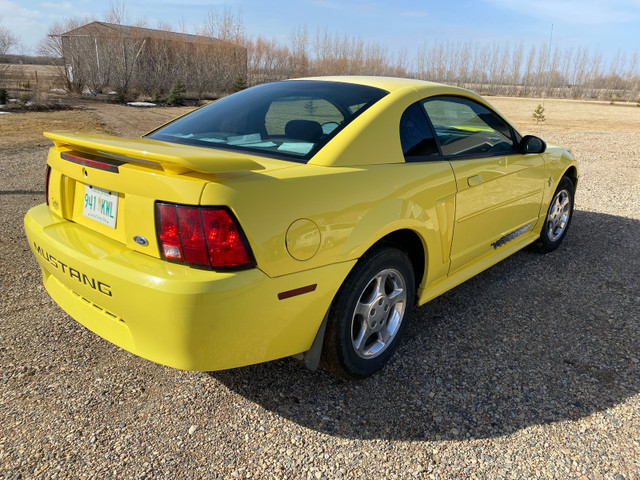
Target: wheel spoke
(397, 294)
(362, 309)
(362, 336)
(386, 333)
(376, 347)
(379, 285)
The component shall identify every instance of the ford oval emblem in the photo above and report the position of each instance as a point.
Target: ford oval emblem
(140, 240)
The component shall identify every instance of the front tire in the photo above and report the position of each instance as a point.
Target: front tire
(558, 217)
(369, 314)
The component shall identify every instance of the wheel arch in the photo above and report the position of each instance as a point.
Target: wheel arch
(410, 243)
(572, 173)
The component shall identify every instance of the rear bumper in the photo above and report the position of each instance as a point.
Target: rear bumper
(172, 314)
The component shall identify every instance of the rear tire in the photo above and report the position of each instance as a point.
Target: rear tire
(369, 314)
(558, 219)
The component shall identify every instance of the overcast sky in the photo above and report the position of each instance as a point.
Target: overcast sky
(600, 25)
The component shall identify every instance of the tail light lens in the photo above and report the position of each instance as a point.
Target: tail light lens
(47, 177)
(225, 242)
(167, 222)
(202, 236)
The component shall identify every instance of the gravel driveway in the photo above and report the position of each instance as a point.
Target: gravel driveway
(529, 370)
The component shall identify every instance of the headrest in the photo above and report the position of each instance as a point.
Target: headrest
(303, 130)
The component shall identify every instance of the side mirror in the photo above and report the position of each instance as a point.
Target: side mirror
(531, 144)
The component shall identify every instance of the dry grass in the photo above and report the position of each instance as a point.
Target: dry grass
(564, 115)
(561, 116)
(127, 121)
(23, 129)
(31, 77)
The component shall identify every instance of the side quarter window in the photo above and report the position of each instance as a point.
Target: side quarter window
(416, 135)
(466, 128)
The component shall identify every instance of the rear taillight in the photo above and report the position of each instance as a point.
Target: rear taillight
(203, 236)
(47, 177)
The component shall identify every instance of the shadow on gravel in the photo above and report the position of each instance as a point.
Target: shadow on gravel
(535, 339)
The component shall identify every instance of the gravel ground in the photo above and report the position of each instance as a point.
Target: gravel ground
(529, 370)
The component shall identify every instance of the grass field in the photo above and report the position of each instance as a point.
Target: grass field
(23, 129)
(561, 116)
(564, 115)
(24, 78)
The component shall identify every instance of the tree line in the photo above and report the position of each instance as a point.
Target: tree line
(497, 68)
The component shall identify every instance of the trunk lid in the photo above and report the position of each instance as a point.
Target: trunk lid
(110, 184)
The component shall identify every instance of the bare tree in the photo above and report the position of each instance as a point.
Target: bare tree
(7, 41)
(144, 61)
(516, 66)
(299, 48)
(51, 46)
(633, 73)
(225, 25)
(527, 79)
(116, 13)
(464, 63)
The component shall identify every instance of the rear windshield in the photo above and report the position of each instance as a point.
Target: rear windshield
(290, 119)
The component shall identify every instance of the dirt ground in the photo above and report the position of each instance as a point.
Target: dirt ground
(529, 370)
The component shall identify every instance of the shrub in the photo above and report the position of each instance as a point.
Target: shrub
(239, 84)
(176, 95)
(4, 96)
(538, 114)
(24, 100)
(614, 97)
(121, 95)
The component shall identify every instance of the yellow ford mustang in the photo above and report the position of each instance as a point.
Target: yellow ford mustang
(303, 217)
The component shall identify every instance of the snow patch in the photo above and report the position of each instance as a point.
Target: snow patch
(141, 104)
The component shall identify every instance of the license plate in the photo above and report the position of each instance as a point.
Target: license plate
(100, 205)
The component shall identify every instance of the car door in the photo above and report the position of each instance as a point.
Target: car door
(499, 190)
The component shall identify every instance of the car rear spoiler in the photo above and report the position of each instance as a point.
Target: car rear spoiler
(171, 157)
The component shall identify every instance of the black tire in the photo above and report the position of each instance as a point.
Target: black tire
(559, 214)
(381, 287)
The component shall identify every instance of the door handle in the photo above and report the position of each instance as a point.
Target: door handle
(475, 180)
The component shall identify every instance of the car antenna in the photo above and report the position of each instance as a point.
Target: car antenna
(546, 87)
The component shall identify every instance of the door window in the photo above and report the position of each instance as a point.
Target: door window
(465, 128)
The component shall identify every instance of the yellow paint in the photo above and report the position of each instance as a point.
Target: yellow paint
(174, 158)
(352, 193)
(303, 239)
(505, 195)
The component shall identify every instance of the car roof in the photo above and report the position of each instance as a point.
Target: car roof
(386, 83)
